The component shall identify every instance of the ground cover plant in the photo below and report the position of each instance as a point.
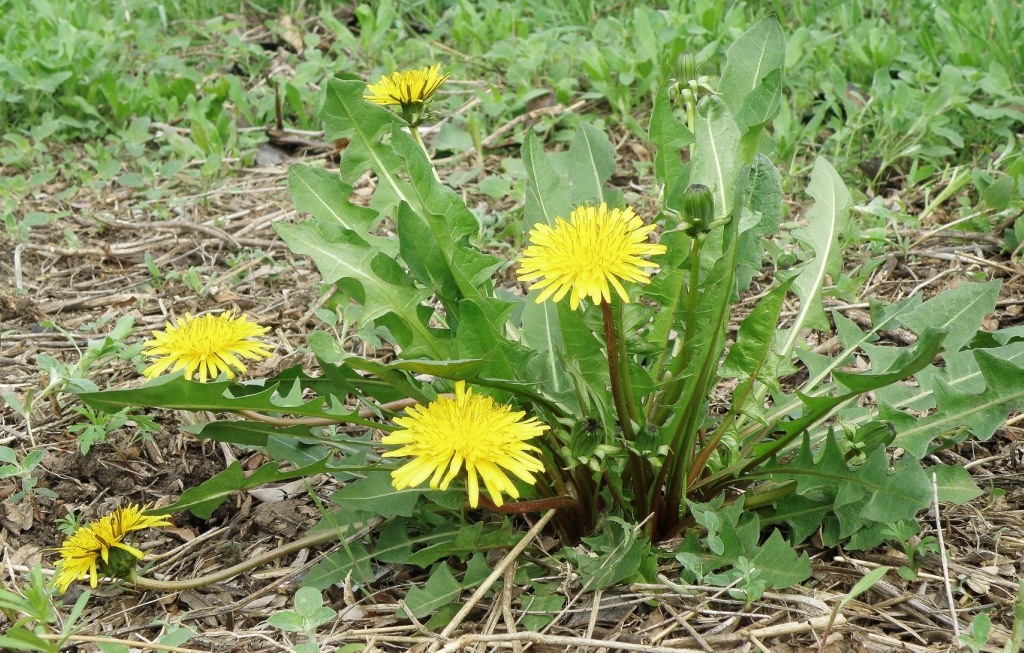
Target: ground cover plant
(689, 397)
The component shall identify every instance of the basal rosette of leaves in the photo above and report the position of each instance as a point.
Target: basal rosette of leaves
(637, 449)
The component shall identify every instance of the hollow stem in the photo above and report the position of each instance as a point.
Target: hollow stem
(627, 381)
(660, 408)
(615, 372)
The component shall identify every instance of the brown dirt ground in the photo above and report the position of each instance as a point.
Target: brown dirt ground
(104, 276)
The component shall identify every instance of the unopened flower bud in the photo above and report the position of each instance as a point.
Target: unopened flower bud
(699, 207)
(686, 67)
(586, 434)
(647, 439)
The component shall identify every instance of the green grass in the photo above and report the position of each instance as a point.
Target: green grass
(884, 90)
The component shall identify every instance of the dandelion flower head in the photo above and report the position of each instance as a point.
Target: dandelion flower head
(406, 88)
(89, 550)
(596, 250)
(208, 344)
(469, 430)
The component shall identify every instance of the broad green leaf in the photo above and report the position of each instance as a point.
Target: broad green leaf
(175, 393)
(669, 135)
(439, 590)
(954, 483)
(478, 339)
(352, 557)
(731, 532)
(751, 80)
(620, 555)
(396, 546)
(591, 159)
(307, 450)
(852, 338)
(761, 216)
(980, 413)
(244, 432)
(347, 115)
(21, 639)
(585, 357)
(339, 259)
(814, 476)
(826, 224)
(802, 515)
(375, 494)
(716, 162)
(469, 539)
(664, 289)
(451, 225)
(899, 495)
(540, 606)
(176, 635)
(427, 262)
(453, 369)
(909, 363)
(547, 198)
(542, 332)
(779, 564)
(324, 195)
(547, 194)
(442, 616)
(750, 351)
(960, 371)
(202, 500)
(865, 492)
(960, 311)
(310, 604)
(287, 620)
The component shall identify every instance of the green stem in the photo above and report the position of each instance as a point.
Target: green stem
(636, 465)
(415, 133)
(704, 454)
(616, 495)
(627, 380)
(662, 405)
(618, 395)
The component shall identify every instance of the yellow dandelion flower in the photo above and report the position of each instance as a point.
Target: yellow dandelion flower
(97, 548)
(599, 247)
(209, 344)
(406, 88)
(471, 430)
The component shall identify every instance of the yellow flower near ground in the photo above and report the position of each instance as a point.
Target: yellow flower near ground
(88, 550)
(406, 87)
(465, 430)
(208, 344)
(596, 250)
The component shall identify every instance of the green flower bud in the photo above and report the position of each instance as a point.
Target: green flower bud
(699, 207)
(585, 436)
(647, 439)
(874, 434)
(686, 67)
(119, 563)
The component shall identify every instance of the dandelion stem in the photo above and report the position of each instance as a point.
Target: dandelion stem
(663, 405)
(636, 465)
(414, 131)
(627, 380)
(618, 395)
